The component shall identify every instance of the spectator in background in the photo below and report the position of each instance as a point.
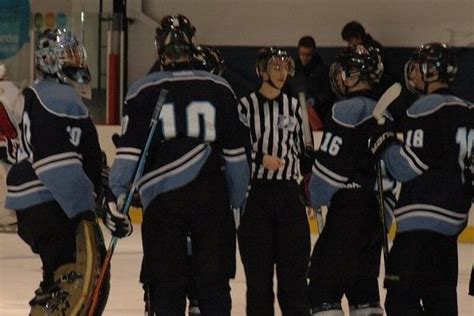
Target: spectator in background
(312, 77)
(354, 34)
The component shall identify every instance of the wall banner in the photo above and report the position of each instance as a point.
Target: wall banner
(14, 26)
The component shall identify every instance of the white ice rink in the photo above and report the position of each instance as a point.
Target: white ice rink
(20, 274)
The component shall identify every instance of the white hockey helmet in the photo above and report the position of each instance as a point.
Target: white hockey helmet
(60, 54)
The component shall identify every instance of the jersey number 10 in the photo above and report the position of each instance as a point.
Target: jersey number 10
(200, 121)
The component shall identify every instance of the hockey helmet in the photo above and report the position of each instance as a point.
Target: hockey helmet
(274, 56)
(361, 61)
(175, 37)
(436, 61)
(209, 59)
(60, 54)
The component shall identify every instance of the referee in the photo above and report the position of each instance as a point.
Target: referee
(274, 229)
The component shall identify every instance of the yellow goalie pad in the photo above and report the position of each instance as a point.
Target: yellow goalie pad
(74, 282)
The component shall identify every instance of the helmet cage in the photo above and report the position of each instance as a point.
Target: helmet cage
(60, 54)
(209, 59)
(175, 37)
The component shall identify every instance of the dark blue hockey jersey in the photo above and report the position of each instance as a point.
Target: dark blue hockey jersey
(438, 134)
(198, 120)
(343, 160)
(59, 156)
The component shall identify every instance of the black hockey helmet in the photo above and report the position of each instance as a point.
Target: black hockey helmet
(209, 59)
(365, 62)
(269, 55)
(437, 62)
(175, 37)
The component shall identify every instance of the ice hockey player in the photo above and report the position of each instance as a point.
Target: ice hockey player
(52, 186)
(435, 199)
(196, 170)
(346, 256)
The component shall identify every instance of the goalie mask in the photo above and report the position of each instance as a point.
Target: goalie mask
(60, 54)
(436, 63)
(361, 63)
(209, 59)
(175, 38)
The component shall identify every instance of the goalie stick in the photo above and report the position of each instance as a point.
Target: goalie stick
(129, 198)
(308, 143)
(385, 100)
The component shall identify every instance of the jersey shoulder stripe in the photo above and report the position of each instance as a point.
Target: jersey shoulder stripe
(430, 104)
(59, 99)
(353, 112)
(157, 78)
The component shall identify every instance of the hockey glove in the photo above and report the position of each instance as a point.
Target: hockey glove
(380, 142)
(307, 161)
(118, 223)
(304, 190)
(101, 187)
(8, 149)
(383, 136)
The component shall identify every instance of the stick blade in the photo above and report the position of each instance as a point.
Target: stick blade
(385, 100)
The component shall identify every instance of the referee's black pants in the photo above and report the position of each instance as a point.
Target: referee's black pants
(274, 232)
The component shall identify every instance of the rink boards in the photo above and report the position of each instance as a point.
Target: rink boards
(105, 138)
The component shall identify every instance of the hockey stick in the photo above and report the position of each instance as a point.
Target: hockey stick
(128, 200)
(308, 142)
(385, 100)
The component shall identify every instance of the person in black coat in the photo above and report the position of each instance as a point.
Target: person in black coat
(312, 77)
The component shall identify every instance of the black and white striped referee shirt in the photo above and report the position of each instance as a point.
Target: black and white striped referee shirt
(275, 129)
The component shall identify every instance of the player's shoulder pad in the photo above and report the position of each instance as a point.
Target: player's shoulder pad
(59, 99)
(159, 77)
(204, 75)
(432, 103)
(353, 112)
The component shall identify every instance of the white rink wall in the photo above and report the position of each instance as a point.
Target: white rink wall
(396, 23)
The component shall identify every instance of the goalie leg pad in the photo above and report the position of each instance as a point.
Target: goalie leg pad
(74, 283)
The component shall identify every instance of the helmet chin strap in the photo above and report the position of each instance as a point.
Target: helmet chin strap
(270, 82)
